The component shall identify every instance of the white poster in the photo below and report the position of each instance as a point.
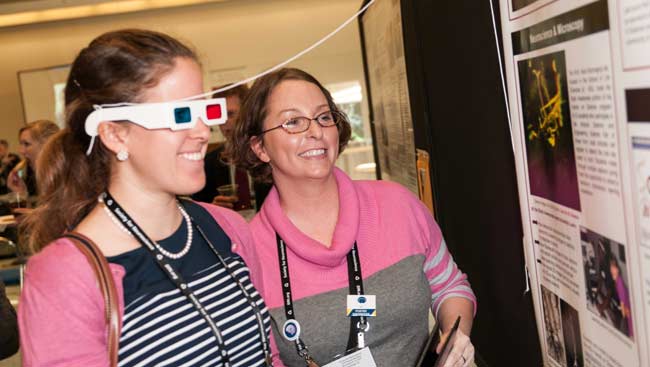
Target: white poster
(573, 70)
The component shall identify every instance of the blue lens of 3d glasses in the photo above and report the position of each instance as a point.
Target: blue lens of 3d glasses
(182, 115)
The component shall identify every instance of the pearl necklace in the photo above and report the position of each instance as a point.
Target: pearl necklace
(171, 255)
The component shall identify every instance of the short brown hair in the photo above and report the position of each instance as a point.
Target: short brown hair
(240, 91)
(253, 113)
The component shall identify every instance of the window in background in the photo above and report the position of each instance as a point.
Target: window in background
(59, 104)
(357, 159)
(42, 93)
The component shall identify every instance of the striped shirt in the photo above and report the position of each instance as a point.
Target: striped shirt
(162, 328)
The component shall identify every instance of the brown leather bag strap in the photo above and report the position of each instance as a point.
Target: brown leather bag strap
(106, 283)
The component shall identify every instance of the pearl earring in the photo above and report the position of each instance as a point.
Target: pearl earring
(122, 155)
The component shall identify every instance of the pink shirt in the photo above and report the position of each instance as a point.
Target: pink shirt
(61, 312)
(389, 225)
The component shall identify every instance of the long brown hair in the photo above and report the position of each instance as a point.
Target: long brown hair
(116, 67)
(251, 121)
(40, 130)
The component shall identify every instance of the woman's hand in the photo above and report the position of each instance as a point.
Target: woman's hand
(225, 201)
(462, 352)
(16, 184)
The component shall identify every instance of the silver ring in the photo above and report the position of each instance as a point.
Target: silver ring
(365, 326)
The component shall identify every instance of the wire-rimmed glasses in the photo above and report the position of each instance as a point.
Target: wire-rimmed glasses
(297, 125)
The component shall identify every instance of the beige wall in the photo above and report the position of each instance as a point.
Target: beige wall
(245, 35)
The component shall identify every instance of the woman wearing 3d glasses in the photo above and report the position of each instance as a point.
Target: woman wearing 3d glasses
(113, 176)
(330, 247)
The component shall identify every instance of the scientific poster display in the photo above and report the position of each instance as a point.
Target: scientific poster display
(578, 80)
(388, 84)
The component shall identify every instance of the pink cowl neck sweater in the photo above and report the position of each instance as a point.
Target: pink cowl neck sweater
(404, 262)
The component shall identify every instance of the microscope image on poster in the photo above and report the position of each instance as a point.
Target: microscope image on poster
(552, 323)
(572, 335)
(547, 129)
(606, 281)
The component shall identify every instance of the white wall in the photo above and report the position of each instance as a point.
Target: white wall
(245, 35)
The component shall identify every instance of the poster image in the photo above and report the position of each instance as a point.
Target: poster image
(572, 335)
(547, 128)
(606, 281)
(554, 340)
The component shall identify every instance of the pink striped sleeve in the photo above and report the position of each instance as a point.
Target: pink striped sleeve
(445, 278)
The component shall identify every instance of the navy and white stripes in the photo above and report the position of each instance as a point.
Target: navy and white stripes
(164, 329)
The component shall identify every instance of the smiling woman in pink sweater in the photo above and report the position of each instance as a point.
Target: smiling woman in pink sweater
(327, 244)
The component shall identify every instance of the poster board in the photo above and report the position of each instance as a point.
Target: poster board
(578, 76)
(392, 123)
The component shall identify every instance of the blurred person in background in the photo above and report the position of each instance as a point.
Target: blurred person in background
(218, 170)
(4, 148)
(8, 326)
(32, 137)
(8, 161)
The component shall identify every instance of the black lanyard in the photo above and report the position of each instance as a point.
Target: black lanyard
(178, 281)
(358, 324)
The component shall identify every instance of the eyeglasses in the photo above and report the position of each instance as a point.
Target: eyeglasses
(297, 125)
(166, 115)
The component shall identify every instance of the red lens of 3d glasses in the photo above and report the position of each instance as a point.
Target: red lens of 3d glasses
(213, 111)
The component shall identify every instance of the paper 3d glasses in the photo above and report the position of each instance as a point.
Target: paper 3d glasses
(166, 115)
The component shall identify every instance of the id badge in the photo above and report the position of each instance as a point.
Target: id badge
(360, 358)
(363, 305)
